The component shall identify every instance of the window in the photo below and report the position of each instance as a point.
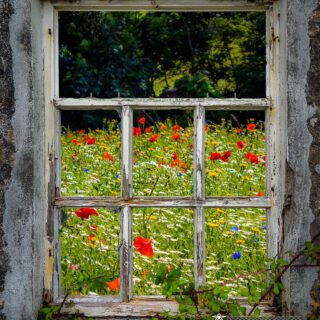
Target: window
(199, 199)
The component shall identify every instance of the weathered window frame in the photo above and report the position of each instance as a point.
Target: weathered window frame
(274, 105)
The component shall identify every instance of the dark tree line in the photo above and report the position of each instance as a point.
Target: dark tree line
(145, 54)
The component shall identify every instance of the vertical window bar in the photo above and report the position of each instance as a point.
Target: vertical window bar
(199, 194)
(126, 211)
(126, 254)
(126, 153)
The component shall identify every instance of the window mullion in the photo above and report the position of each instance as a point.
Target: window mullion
(199, 194)
(126, 211)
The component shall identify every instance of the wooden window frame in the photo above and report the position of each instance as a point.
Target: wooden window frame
(274, 106)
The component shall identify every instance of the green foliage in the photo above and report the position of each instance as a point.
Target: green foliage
(312, 252)
(141, 54)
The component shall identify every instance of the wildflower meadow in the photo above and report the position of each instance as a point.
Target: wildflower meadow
(163, 240)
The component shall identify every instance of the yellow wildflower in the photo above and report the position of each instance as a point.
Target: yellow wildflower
(212, 225)
(221, 221)
(243, 164)
(213, 173)
(229, 233)
(254, 229)
(245, 178)
(153, 218)
(214, 143)
(239, 241)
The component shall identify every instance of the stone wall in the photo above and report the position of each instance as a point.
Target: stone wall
(21, 221)
(301, 217)
(23, 186)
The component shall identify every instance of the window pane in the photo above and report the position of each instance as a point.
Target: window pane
(163, 153)
(89, 241)
(163, 247)
(236, 248)
(235, 154)
(90, 153)
(162, 54)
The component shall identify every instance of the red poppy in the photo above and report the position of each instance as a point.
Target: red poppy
(143, 246)
(174, 156)
(154, 138)
(107, 156)
(175, 136)
(251, 126)
(91, 141)
(238, 130)
(175, 163)
(145, 273)
(76, 142)
(142, 120)
(252, 157)
(225, 157)
(114, 285)
(183, 166)
(148, 130)
(137, 131)
(84, 213)
(81, 132)
(93, 227)
(92, 237)
(241, 145)
(264, 158)
(163, 127)
(215, 156)
(176, 128)
(260, 194)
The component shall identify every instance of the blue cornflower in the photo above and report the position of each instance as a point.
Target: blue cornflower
(179, 174)
(236, 255)
(264, 227)
(255, 240)
(234, 229)
(86, 170)
(64, 133)
(104, 128)
(116, 176)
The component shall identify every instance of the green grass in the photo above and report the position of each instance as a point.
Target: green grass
(89, 247)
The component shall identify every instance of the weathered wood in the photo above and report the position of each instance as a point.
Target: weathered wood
(126, 153)
(199, 195)
(180, 202)
(276, 132)
(160, 103)
(198, 160)
(126, 256)
(140, 307)
(199, 247)
(162, 5)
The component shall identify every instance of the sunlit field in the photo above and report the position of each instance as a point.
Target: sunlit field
(163, 240)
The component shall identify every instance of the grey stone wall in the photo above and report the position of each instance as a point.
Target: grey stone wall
(23, 189)
(21, 222)
(301, 217)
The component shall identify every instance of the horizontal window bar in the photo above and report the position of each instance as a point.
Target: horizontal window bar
(153, 103)
(162, 5)
(148, 202)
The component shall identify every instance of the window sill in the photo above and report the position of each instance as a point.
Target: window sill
(137, 308)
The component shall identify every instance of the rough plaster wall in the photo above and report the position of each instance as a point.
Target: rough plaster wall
(300, 213)
(314, 128)
(7, 143)
(21, 236)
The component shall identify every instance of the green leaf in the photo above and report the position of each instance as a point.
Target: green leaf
(256, 312)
